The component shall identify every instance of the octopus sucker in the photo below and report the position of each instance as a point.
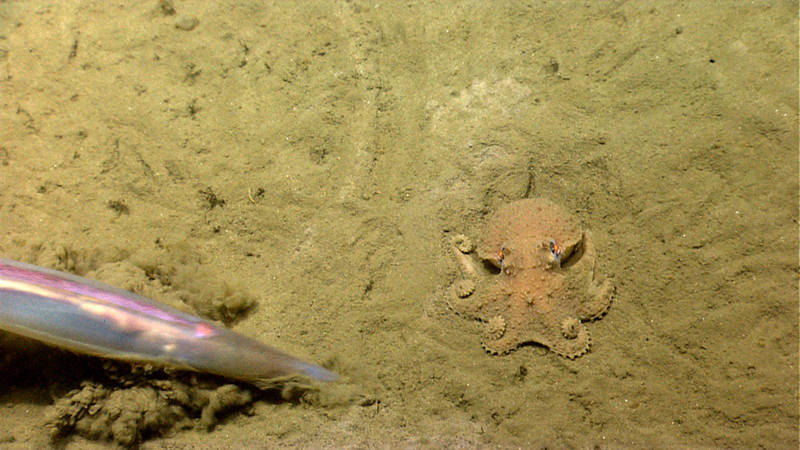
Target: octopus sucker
(498, 346)
(546, 288)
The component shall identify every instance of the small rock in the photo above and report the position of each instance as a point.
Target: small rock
(186, 23)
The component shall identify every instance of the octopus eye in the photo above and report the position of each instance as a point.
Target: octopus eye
(556, 250)
(501, 257)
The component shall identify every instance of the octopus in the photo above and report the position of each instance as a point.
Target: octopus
(531, 280)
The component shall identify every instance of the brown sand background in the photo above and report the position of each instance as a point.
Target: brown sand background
(367, 133)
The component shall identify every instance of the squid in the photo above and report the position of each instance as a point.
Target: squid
(94, 318)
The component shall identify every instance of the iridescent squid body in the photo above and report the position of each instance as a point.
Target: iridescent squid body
(94, 318)
(531, 279)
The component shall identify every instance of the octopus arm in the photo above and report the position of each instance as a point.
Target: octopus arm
(597, 300)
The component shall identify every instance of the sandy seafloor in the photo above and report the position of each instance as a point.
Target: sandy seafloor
(349, 141)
